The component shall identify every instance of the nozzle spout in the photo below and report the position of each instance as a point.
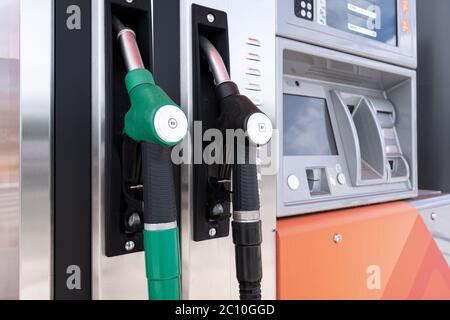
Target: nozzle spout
(128, 45)
(215, 61)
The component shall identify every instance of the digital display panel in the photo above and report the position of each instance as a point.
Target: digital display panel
(373, 19)
(307, 127)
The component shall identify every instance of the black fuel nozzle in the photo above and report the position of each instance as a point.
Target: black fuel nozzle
(239, 112)
(236, 110)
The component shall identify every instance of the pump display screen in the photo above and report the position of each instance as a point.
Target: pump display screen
(373, 19)
(307, 127)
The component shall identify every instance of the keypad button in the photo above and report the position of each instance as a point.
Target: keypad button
(293, 183)
(341, 179)
(304, 9)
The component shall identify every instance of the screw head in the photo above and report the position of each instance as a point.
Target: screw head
(337, 238)
(130, 245)
(433, 216)
(212, 232)
(211, 18)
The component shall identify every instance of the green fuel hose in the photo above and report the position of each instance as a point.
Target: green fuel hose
(159, 124)
(161, 236)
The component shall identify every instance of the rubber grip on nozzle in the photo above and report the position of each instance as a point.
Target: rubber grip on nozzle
(159, 188)
(245, 183)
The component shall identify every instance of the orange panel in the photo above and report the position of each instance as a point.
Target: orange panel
(386, 252)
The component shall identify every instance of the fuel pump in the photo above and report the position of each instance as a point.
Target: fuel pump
(239, 112)
(156, 122)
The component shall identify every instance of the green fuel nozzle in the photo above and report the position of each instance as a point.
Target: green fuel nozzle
(158, 123)
(153, 117)
(239, 112)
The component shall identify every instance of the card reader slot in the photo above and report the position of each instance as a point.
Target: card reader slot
(317, 181)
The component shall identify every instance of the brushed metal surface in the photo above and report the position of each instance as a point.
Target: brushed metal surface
(208, 267)
(9, 149)
(36, 103)
(120, 277)
(9, 29)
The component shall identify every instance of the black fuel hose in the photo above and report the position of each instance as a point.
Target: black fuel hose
(236, 110)
(247, 228)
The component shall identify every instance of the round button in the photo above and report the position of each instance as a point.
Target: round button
(303, 13)
(309, 15)
(341, 179)
(259, 128)
(309, 6)
(303, 4)
(170, 124)
(293, 182)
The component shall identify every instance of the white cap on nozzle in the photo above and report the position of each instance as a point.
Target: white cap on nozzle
(259, 129)
(171, 124)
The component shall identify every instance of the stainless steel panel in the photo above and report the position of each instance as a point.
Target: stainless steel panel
(208, 267)
(120, 277)
(9, 29)
(208, 270)
(201, 262)
(36, 81)
(9, 149)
